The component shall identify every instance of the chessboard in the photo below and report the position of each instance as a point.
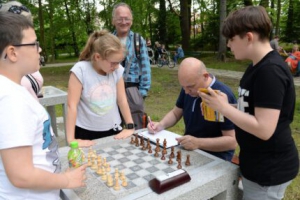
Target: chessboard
(127, 166)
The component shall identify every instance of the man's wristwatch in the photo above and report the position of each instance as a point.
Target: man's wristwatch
(130, 126)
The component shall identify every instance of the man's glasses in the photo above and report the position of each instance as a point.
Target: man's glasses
(120, 20)
(36, 43)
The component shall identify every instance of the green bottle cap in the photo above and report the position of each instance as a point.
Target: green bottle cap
(74, 144)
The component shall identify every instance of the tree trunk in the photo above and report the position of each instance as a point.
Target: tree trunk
(289, 23)
(264, 3)
(278, 17)
(74, 44)
(162, 18)
(185, 24)
(222, 39)
(248, 2)
(42, 30)
(52, 32)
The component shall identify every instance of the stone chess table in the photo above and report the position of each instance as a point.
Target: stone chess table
(210, 176)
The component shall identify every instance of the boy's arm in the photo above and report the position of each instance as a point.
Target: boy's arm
(22, 173)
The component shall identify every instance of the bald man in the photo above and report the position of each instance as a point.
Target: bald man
(217, 138)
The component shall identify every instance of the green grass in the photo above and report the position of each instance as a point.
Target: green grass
(164, 92)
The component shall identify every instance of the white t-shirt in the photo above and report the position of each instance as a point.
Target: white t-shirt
(97, 109)
(25, 122)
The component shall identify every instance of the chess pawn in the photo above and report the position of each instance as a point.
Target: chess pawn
(99, 171)
(187, 162)
(150, 149)
(94, 165)
(136, 140)
(124, 182)
(170, 162)
(90, 150)
(104, 162)
(163, 156)
(157, 145)
(104, 176)
(116, 173)
(179, 166)
(122, 177)
(156, 153)
(141, 140)
(132, 140)
(172, 152)
(117, 186)
(107, 167)
(144, 147)
(165, 150)
(89, 162)
(110, 182)
(99, 159)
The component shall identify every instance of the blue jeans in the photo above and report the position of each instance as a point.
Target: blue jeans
(254, 191)
(176, 58)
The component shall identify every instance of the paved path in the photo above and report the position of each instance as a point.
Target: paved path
(217, 72)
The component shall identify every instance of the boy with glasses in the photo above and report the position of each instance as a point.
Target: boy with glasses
(29, 162)
(32, 82)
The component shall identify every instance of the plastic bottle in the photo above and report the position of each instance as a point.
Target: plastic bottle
(74, 155)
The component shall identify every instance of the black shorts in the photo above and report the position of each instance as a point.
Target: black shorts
(81, 133)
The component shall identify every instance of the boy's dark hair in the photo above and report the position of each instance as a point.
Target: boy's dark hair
(11, 29)
(247, 19)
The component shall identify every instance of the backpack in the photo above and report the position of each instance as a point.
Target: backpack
(137, 39)
(135, 100)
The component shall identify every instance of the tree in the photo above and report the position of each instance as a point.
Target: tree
(248, 2)
(264, 3)
(278, 17)
(185, 21)
(162, 19)
(222, 39)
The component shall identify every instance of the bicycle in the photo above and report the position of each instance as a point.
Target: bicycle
(165, 59)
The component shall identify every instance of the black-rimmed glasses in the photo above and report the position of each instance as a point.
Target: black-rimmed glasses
(36, 43)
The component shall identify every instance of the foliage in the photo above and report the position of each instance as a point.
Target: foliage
(66, 24)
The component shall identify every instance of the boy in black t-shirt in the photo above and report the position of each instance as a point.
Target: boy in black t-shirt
(268, 155)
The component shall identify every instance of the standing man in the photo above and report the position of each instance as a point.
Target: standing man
(216, 138)
(137, 74)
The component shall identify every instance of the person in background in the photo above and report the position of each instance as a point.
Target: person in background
(268, 156)
(178, 54)
(29, 161)
(137, 73)
(157, 51)
(274, 44)
(216, 138)
(32, 82)
(96, 90)
(293, 61)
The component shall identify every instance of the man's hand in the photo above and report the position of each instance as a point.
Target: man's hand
(154, 127)
(125, 133)
(188, 142)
